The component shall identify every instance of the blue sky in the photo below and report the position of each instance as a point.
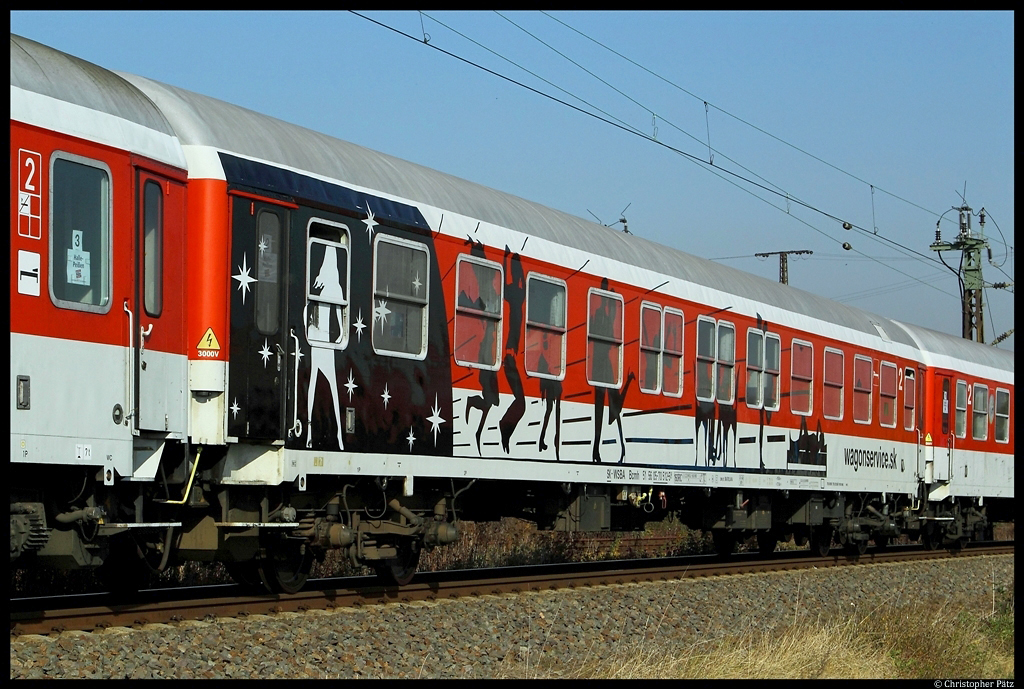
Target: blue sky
(906, 108)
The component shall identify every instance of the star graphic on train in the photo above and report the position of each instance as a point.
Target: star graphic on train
(370, 224)
(381, 312)
(351, 385)
(386, 396)
(416, 284)
(234, 408)
(265, 352)
(359, 325)
(243, 277)
(263, 246)
(435, 419)
(411, 438)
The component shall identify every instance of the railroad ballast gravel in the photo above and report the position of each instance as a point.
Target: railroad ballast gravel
(482, 637)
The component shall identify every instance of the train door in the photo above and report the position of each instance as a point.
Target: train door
(945, 443)
(161, 365)
(257, 377)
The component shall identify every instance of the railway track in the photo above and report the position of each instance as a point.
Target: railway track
(98, 611)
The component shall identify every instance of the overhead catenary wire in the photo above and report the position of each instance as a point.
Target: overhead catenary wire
(715, 169)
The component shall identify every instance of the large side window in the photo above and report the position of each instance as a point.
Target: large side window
(772, 366)
(887, 395)
(979, 413)
(705, 359)
(960, 423)
(755, 367)
(327, 283)
(650, 347)
(833, 391)
(400, 296)
(672, 356)
(152, 247)
(1002, 415)
(545, 327)
(725, 363)
(478, 284)
(604, 338)
(268, 271)
(80, 228)
(801, 378)
(909, 398)
(862, 382)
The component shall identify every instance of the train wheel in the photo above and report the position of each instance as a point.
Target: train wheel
(285, 565)
(725, 542)
(856, 548)
(821, 540)
(766, 542)
(930, 539)
(400, 570)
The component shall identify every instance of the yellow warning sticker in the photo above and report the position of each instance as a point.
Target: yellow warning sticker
(928, 439)
(209, 341)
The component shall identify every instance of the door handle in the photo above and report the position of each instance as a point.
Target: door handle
(280, 353)
(143, 334)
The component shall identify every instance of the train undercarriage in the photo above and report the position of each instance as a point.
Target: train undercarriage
(269, 536)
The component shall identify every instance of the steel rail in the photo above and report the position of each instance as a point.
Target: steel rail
(96, 612)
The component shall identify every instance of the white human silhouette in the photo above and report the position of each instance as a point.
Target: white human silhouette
(318, 326)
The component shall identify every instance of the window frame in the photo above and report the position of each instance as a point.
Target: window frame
(757, 368)
(476, 313)
(345, 323)
(107, 269)
(1005, 417)
(719, 362)
(983, 388)
(563, 330)
(658, 349)
(882, 396)
(620, 343)
(152, 275)
(665, 351)
(826, 383)
(710, 359)
(960, 413)
(423, 304)
(776, 372)
(869, 389)
(910, 377)
(793, 376)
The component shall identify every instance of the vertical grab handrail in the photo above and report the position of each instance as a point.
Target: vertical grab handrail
(130, 363)
(296, 429)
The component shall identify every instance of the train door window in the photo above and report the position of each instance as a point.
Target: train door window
(604, 338)
(960, 423)
(755, 367)
(545, 327)
(725, 364)
(945, 406)
(327, 284)
(705, 359)
(909, 398)
(672, 354)
(887, 395)
(979, 413)
(400, 295)
(833, 390)
(479, 285)
(152, 240)
(268, 271)
(862, 381)
(801, 378)
(772, 366)
(1002, 415)
(80, 227)
(651, 322)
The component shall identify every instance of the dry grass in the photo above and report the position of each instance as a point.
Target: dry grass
(924, 640)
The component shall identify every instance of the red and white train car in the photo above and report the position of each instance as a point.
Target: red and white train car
(238, 339)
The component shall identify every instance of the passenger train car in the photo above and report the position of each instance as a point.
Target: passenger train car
(236, 339)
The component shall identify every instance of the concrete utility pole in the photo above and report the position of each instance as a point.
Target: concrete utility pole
(783, 262)
(972, 313)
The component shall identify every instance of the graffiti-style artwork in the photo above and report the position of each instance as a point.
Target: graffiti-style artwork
(767, 385)
(319, 328)
(704, 419)
(551, 394)
(479, 305)
(809, 449)
(544, 355)
(515, 296)
(604, 362)
(725, 427)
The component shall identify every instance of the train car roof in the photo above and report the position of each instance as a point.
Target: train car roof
(41, 69)
(960, 349)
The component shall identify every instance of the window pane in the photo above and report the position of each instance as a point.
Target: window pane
(476, 339)
(755, 363)
(400, 298)
(650, 349)
(479, 287)
(887, 395)
(672, 374)
(544, 351)
(909, 399)
(545, 327)
(605, 317)
(725, 363)
(833, 368)
(401, 272)
(673, 332)
(604, 338)
(960, 426)
(478, 313)
(979, 429)
(326, 281)
(603, 362)
(1002, 415)
(152, 241)
(800, 378)
(546, 303)
(862, 390)
(706, 339)
(80, 234)
(772, 360)
(268, 265)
